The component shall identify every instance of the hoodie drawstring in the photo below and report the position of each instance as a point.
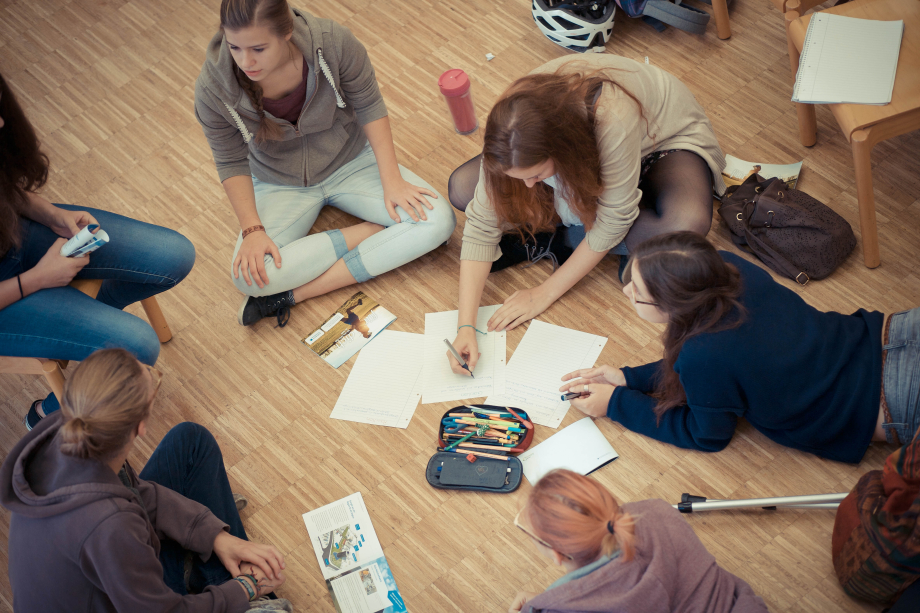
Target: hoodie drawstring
(339, 101)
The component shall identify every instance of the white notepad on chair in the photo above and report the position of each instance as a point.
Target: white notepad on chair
(849, 60)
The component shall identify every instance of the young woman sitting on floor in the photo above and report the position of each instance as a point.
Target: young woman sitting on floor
(291, 109)
(641, 556)
(40, 315)
(739, 344)
(88, 534)
(616, 150)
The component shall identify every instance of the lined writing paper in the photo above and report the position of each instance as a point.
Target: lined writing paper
(384, 386)
(845, 59)
(580, 447)
(440, 383)
(534, 372)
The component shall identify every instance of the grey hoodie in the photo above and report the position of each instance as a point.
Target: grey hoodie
(671, 573)
(81, 541)
(328, 133)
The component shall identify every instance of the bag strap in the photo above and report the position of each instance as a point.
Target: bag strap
(788, 268)
(675, 14)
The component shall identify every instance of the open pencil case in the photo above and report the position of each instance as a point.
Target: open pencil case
(468, 466)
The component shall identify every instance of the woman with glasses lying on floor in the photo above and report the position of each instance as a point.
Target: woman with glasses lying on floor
(641, 556)
(739, 344)
(89, 534)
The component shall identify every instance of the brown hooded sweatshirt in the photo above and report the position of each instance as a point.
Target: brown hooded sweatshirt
(81, 541)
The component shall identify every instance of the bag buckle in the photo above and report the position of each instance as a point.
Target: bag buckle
(798, 279)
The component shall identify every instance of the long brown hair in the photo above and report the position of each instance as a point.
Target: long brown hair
(276, 16)
(104, 401)
(574, 514)
(698, 290)
(23, 167)
(546, 117)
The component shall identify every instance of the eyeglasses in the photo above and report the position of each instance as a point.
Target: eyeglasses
(157, 378)
(627, 279)
(534, 536)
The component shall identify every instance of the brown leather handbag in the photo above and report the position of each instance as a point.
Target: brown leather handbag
(794, 234)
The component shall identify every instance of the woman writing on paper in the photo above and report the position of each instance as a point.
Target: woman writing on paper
(291, 109)
(641, 556)
(739, 344)
(615, 150)
(89, 534)
(40, 315)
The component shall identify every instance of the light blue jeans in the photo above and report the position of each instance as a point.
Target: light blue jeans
(289, 212)
(901, 375)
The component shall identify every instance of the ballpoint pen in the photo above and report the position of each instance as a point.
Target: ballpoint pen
(571, 395)
(460, 359)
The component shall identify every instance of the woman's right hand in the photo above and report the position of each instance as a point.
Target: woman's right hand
(250, 259)
(264, 584)
(55, 270)
(467, 346)
(601, 374)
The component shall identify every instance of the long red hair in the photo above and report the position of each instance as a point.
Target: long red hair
(546, 117)
(571, 513)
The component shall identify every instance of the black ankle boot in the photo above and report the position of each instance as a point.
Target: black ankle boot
(550, 245)
(253, 309)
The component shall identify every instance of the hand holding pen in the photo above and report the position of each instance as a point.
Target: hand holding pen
(467, 349)
(589, 389)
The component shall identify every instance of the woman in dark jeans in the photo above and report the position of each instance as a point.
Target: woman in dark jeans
(88, 534)
(40, 315)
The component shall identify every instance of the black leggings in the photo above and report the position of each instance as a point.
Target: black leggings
(676, 195)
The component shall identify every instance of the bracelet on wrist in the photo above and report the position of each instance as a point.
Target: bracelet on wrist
(252, 229)
(21, 293)
(252, 593)
(470, 326)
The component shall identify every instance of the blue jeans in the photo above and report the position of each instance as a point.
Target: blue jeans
(141, 260)
(901, 375)
(188, 461)
(289, 212)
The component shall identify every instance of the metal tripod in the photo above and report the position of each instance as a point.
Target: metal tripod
(689, 503)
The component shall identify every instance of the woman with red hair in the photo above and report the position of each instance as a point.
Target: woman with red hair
(639, 557)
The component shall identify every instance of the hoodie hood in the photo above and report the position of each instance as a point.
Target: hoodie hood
(38, 481)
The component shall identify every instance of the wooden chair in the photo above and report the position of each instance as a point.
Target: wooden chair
(52, 369)
(865, 125)
(720, 14)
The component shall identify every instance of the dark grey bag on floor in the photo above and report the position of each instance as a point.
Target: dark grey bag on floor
(794, 234)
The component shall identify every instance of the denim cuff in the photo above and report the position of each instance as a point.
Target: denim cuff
(50, 404)
(356, 266)
(338, 243)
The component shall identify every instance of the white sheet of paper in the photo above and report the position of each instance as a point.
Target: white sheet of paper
(384, 386)
(440, 383)
(534, 372)
(580, 447)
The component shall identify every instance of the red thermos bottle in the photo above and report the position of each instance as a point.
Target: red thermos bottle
(455, 86)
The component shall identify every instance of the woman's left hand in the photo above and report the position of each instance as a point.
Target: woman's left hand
(233, 551)
(521, 306)
(67, 223)
(520, 600)
(400, 193)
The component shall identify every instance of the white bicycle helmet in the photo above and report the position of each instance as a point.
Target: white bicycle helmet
(578, 25)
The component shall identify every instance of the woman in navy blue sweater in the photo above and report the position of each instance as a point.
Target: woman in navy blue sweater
(738, 344)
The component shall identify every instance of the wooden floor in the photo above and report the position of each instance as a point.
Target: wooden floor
(109, 86)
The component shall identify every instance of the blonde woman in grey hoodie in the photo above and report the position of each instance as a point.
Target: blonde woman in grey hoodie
(291, 109)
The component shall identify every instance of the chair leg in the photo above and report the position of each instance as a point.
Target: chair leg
(808, 124)
(720, 12)
(862, 150)
(156, 319)
(54, 377)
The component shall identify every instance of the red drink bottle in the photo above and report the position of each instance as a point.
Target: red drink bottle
(455, 86)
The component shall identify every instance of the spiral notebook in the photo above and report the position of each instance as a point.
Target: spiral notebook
(848, 60)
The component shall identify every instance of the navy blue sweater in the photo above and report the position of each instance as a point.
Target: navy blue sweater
(806, 379)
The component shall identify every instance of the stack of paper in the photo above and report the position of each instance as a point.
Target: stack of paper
(850, 60)
(534, 372)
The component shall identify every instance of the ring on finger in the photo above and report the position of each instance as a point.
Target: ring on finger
(586, 389)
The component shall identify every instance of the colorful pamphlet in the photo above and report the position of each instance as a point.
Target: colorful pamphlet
(351, 558)
(736, 171)
(349, 329)
(84, 242)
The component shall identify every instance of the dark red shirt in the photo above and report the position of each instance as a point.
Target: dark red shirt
(289, 107)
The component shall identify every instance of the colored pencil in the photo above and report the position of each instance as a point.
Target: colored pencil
(478, 453)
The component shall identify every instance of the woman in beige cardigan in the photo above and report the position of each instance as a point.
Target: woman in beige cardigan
(615, 150)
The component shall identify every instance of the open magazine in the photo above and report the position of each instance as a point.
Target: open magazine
(349, 329)
(84, 242)
(349, 554)
(736, 171)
